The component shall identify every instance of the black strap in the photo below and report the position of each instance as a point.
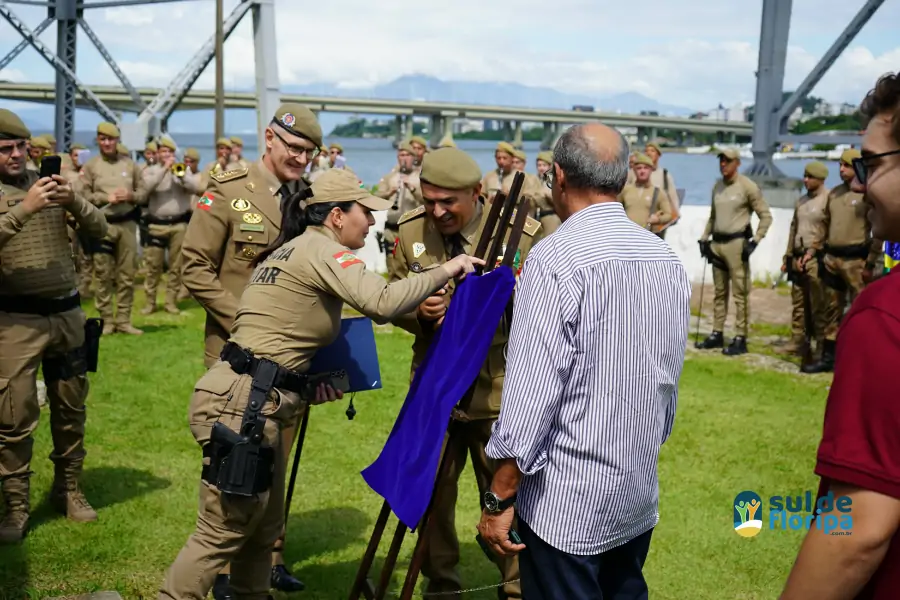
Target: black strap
(182, 218)
(545, 213)
(35, 305)
(855, 251)
(243, 362)
(721, 238)
(456, 245)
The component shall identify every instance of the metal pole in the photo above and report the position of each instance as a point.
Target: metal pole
(220, 73)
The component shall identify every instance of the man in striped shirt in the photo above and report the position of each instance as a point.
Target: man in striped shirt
(591, 386)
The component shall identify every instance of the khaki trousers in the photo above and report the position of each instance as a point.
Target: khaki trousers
(170, 237)
(27, 342)
(816, 302)
(115, 269)
(736, 279)
(851, 272)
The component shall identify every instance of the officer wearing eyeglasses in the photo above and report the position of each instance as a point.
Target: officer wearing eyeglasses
(237, 217)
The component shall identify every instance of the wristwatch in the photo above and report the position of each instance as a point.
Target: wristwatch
(494, 505)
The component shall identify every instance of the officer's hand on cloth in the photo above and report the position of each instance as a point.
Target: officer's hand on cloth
(39, 196)
(434, 307)
(326, 393)
(63, 194)
(461, 266)
(494, 528)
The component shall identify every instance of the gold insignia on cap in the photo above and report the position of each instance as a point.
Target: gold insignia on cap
(418, 249)
(252, 218)
(240, 205)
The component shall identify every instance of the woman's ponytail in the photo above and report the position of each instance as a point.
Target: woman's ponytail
(293, 223)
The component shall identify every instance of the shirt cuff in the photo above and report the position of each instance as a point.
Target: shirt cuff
(854, 476)
(20, 215)
(498, 449)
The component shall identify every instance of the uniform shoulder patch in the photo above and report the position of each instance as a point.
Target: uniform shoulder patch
(346, 258)
(230, 175)
(531, 227)
(411, 214)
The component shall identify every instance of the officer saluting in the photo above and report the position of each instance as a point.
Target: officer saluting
(41, 324)
(734, 198)
(291, 308)
(448, 225)
(236, 218)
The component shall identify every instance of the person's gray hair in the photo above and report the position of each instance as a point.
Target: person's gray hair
(583, 166)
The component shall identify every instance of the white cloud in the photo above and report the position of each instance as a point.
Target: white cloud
(130, 16)
(14, 75)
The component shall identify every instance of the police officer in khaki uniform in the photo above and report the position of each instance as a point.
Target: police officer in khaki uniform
(237, 152)
(401, 187)
(500, 178)
(41, 326)
(222, 163)
(334, 151)
(806, 240)
(39, 148)
(291, 307)
(236, 218)
(449, 225)
(662, 179)
(544, 211)
(645, 204)
(420, 148)
(151, 153)
(734, 198)
(84, 264)
(114, 184)
(168, 213)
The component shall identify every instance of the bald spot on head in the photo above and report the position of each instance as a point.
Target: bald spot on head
(594, 158)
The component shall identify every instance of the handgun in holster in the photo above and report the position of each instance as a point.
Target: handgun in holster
(144, 229)
(93, 330)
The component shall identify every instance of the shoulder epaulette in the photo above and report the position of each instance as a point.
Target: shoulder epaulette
(532, 226)
(411, 214)
(230, 175)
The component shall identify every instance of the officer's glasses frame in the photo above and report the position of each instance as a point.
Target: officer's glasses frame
(860, 165)
(295, 151)
(8, 149)
(547, 177)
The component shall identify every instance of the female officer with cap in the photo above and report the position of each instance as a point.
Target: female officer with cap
(290, 308)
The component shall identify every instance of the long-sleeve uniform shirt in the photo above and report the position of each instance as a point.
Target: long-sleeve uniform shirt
(592, 379)
(168, 195)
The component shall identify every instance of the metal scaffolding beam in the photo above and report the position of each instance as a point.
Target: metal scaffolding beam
(23, 44)
(139, 102)
(268, 88)
(118, 3)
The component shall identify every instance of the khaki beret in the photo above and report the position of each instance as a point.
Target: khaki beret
(417, 139)
(546, 156)
(122, 149)
(642, 159)
(729, 154)
(505, 147)
(816, 170)
(342, 185)
(405, 146)
(167, 142)
(336, 146)
(236, 141)
(447, 143)
(49, 137)
(451, 169)
(74, 147)
(192, 153)
(653, 145)
(520, 155)
(223, 141)
(299, 120)
(12, 127)
(40, 142)
(108, 129)
(151, 147)
(848, 155)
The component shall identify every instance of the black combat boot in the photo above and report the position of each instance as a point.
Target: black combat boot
(222, 588)
(283, 581)
(738, 346)
(824, 364)
(713, 340)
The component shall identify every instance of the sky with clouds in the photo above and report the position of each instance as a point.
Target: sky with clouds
(689, 53)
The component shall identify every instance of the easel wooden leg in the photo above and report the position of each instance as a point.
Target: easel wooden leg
(362, 585)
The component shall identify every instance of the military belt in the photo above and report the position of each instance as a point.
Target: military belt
(721, 238)
(133, 215)
(243, 362)
(173, 220)
(855, 251)
(36, 305)
(545, 213)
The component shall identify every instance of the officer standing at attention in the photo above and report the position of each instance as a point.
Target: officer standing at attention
(41, 325)
(645, 204)
(449, 225)
(236, 218)
(544, 211)
(291, 307)
(500, 178)
(662, 179)
(237, 152)
(806, 240)
(169, 211)
(114, 184)
(402, 188)
(734, 198)
(420, 148)
(151, 153)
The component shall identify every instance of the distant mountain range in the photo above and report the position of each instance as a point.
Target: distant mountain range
(407, 87)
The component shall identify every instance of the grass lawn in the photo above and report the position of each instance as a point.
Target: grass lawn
(737, 428)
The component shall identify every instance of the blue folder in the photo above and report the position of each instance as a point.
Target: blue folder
(353, 351)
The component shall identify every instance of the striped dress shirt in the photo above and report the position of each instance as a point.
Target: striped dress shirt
(595, 352)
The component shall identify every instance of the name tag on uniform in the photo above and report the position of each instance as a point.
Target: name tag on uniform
(12, 202)
(257, 228)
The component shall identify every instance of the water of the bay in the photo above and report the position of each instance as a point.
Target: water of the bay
(370, 159)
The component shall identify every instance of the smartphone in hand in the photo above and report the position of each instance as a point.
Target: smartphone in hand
(50, 165)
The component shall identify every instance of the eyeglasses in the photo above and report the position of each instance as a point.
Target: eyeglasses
(547, 178)
(860, 165)
(295, 151)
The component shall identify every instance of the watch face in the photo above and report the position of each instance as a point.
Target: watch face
(491, 502)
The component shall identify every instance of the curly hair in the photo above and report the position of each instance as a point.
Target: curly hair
(883, 98)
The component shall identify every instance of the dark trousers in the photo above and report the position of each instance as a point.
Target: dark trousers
(550, 574)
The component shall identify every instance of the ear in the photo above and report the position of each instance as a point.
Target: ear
(270, 136)
(477, 191)
(558, 176)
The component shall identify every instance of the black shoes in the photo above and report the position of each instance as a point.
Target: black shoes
(283, 581)
(716, 340)
(222, 588)
(738, 346)
(824, 364)
(713, 340)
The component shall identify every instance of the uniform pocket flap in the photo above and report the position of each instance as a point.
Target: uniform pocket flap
(243, 233)
(219, 380)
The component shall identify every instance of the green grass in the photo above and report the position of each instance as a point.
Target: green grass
(737, 428)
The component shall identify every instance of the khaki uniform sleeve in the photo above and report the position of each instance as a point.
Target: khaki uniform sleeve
(792, 233)
(12, 223)
(826, 220)
(384, 187)
(369, 293)
(152, 178)
(664, 210)
(761, 208)
(190, 182)
(139, 188)
(90, 219)
(707, 231)
(202, 253)
(398, 272)
(96, 197)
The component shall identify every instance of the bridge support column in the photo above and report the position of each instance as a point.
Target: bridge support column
(688, 139)
(66, 13)
(399, 130)
(732, 138)
(507, 131)
(517, 136)
(440, 127)
(679, 138)
(653, 134)
(720, 137)
(551, 135)
(268, 87)
(641, 139)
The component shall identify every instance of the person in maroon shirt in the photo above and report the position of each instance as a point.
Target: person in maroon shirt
(859, 455)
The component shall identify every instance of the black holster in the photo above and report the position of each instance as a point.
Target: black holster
(144, 229)
(832, 280)
(93, 330)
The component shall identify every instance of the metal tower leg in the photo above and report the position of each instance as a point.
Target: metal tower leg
(66, 45)
(268, 88)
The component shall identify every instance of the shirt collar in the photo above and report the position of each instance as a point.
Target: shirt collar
(601, 210)
(471, 228)
(272, 181)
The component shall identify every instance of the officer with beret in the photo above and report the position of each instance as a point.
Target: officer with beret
(450, 224)
(805, 241)
(544, 211)
(113, 183)
(222, 163)
(500, 178)
(151, 152)
(237, 152)
(401, 187)
(335, 150)
(420, 148)
(236, 218)
(192, 160)
(39, 148)
(645, 204)
(662, 179)
(734, 198)
(291, 307)
(41, 325)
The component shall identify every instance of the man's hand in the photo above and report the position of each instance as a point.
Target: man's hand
(806, 258)
(63, 194)
(113, 197)
(653, 220)
(433, 308)
(494, 528)
(125, 195)
(39, 196)
(326, 393)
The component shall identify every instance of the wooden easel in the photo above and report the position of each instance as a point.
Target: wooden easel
(499, 217)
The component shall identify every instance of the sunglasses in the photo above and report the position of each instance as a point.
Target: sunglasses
(860, 166)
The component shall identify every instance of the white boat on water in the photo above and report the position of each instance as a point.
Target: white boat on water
(698, 149)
